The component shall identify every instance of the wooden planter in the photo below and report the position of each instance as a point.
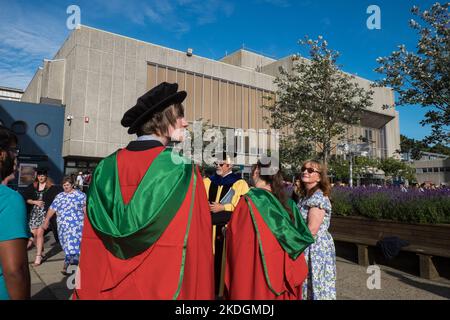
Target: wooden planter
(426, 240)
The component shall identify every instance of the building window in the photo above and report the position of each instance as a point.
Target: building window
(42, 130)
(442, 169)
(436, 169)
(368, 135)
(419, 170)
(19, 127)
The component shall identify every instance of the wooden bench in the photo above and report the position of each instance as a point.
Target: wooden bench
(425, 240)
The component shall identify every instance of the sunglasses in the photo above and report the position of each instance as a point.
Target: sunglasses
(309, 170)
(219, 164)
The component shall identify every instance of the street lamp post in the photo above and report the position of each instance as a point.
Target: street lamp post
(350, 181)
(351, 150)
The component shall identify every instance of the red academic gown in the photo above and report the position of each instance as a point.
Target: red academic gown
(155, 273)
(244, 275)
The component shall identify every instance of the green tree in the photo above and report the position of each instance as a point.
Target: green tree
(362, 166)
(396, 168)
(440, 148)
(317, 101)
(423, 77)
(415, 147)
(293, 152)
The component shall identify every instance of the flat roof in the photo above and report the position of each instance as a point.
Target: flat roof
(11, 89)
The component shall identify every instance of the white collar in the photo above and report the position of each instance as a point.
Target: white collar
(150, 137)
(228, 174)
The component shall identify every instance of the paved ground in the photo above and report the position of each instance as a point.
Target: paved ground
(47, 282)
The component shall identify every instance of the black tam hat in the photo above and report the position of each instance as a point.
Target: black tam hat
(42, 171)
(154, 101)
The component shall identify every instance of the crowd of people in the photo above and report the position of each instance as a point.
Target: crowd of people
(151, 227)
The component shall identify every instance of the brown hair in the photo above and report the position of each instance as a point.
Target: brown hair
(159, 124)
(68, 179)
(48, 184)
(324, 183)
(276, 184)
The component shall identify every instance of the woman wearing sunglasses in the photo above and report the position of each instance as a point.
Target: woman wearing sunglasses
(265, 241)
(315, 207)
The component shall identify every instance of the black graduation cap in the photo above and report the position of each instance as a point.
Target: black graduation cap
(42, 171)
(154, 101)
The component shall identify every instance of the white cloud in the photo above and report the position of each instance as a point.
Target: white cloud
(176, 16)
(28, 36)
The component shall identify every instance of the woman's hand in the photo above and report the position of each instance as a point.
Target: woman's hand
(39, 203)
(46, 223)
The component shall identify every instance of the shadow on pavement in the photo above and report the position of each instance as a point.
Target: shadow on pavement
(440, 290)
(55, 291)
(55, 249)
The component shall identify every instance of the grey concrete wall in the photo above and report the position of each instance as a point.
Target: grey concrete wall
(234, 58)
(435, 177)
(247, 59)
(393, 137)
(106, 73)
(53, 79)
(33, 91)
(273, 67)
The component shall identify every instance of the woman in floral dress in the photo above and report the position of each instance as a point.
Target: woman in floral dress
(39, 196)
(315, 207)
(70, 208)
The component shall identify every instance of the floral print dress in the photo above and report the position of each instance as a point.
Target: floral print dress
(321, 255)
(70, 215)
(37, 215)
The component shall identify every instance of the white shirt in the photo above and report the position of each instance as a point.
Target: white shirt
(80, 180)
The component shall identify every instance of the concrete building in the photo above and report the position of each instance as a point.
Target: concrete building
(424, 156)
(98, 75)
(10, 93)
(434, 171)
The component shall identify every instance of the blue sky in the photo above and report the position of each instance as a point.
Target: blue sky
(32, 31)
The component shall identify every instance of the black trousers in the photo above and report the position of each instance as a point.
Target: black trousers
(220, 220)
(218, 243)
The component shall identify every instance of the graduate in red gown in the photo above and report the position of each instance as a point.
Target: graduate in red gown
(265, 241)
(147, 234)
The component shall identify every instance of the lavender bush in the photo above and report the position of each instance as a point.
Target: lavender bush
(430, 206)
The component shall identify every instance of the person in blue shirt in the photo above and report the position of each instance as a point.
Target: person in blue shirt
(14, 232)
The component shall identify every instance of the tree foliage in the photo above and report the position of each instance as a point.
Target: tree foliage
(416, 147)
(395, 168)
(423, 77)
(316, 101)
